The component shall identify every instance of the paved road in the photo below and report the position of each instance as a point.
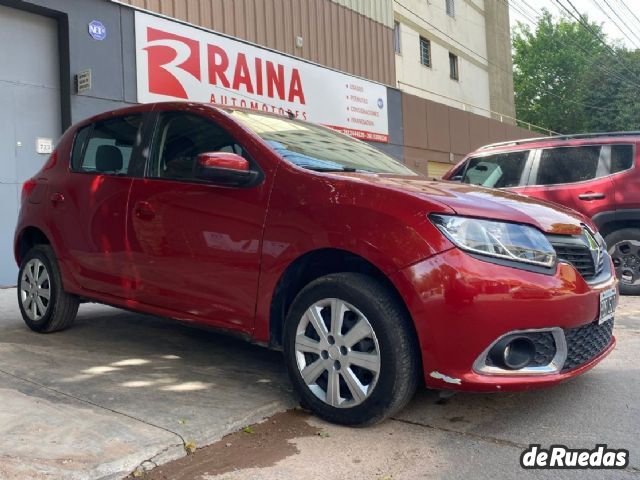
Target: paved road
(120, 390)
(467, 436)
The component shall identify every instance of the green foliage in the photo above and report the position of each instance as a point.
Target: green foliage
(566, 80)
(620, 95)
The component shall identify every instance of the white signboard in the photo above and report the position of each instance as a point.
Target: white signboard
(44, 145)
(179, 62)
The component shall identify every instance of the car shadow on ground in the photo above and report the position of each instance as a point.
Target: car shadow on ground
(189, 380)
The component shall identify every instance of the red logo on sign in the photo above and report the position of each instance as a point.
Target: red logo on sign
(170, 58)
(174, 62)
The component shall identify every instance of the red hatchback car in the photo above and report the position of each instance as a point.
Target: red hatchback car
(595, 174)
(370, 277)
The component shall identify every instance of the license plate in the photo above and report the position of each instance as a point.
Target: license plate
(607, 305)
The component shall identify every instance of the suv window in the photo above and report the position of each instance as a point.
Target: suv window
(621, 158)
(181, 138)
(496, 171)
(106, 146)
(569, 165)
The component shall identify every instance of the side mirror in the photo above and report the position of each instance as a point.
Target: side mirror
(224, 168)
(456, 178)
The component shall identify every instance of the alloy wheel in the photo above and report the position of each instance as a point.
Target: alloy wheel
(337, 353)
(626, 260)
(35, 289)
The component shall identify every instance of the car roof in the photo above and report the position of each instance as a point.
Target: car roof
(562, 141)
(179, 105)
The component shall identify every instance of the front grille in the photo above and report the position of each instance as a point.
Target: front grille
(579, 257)
(545, 348)
(584, 343)
(584, 252)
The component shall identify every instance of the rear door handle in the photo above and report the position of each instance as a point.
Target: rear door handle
(144, 211)
(591, 196)
(56, 198)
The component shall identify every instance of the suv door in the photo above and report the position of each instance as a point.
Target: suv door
(574, 176)
(89, 204)
(196, 245)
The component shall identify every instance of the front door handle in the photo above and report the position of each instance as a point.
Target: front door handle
(144, 211)
(591, 196)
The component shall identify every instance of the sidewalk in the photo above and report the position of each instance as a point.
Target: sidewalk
(121, 389)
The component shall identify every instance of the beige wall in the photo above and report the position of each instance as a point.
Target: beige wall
(447, 35)
(333, 35)
(379, 10)
(442, 135)
(499, 56)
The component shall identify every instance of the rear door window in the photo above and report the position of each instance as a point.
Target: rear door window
(570, 165)
(501, 170)
(107, 146)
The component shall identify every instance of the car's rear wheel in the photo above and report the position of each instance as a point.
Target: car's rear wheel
(624, 248)
(350, 349)
(44, 305)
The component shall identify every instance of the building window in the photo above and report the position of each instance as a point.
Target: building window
(396, 37)
(453, 67)
(425, 52)
(451, 8)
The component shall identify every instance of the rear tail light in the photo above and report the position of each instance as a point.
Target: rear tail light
(27, 189)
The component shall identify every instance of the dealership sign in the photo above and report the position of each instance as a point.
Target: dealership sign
(179, 62)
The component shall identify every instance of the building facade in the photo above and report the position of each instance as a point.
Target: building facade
(456, 52)
(327, 61)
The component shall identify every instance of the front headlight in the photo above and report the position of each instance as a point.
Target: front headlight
(508, 241)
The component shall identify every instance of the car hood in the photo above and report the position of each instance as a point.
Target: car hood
(476, 201)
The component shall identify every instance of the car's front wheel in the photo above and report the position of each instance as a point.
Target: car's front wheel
(351, 350)
(44, 305)
(624, 248)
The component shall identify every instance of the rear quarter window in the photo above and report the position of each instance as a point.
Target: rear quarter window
(621, 158)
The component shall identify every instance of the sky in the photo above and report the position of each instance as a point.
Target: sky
(590, 8)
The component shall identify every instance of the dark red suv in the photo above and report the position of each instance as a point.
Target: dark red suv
(370, 277)
(594, 174)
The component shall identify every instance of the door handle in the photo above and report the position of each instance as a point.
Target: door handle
(591, 196)
(144, 211)
(56, 198)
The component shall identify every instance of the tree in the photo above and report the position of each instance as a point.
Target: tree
(550, 67)
(613, 103)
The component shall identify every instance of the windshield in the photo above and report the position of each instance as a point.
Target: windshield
(318, 148)
(494, 171)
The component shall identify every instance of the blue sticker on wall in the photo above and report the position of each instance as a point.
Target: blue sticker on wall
(97, 30)
(380, 103)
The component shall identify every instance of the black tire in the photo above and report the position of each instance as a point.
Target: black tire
(62, 307)
(399, 355)
(616, 242)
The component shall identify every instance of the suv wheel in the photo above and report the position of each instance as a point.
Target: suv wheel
(44, 305)
(350, 350)
(624, 248)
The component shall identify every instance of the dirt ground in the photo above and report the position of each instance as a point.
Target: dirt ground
(258, 446)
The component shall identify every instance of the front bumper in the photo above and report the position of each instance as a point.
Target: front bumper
(461, 305)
